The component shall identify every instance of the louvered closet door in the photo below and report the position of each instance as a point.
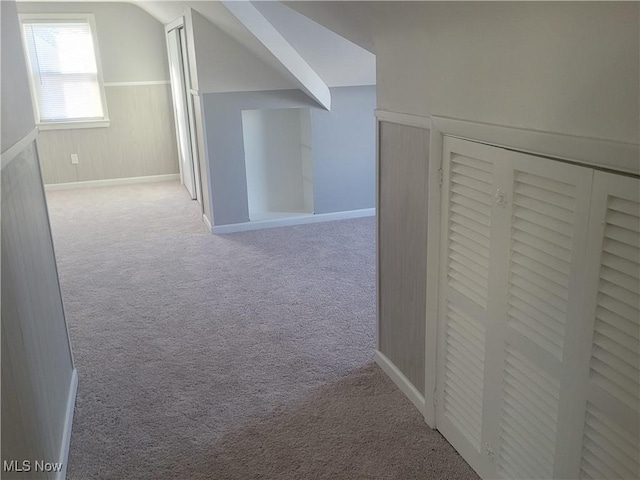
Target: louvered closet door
(608, 443)
(514, 236)
(468, 258)
(540, 293)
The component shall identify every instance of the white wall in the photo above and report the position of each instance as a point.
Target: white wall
(342, 140)
(38, 377)
(141, 138)
(132, 42)
(273, 159)
(344, 151)
(225, 65)
(16, 120)
(340, 17)
(339, 62)
(567, 67)
(307, 159)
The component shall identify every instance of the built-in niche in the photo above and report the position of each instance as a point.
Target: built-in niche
(278, 161)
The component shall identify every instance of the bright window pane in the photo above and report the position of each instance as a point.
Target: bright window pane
(63, 64)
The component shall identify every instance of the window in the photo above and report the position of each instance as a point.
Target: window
(64, 66)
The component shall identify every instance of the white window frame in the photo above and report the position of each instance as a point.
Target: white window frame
(55, 17)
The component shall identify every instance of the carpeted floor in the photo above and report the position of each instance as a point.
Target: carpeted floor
(228, 357)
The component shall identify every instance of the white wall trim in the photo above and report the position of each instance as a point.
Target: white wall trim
(68, 424)
(400, 380)
(378, 143)
(65, 17)
(433, 276)
(173, 24)
(112, 182)
(596, 152)
(75, 125)
(403, 119)
(207, 223)
(13, 151)
(137, 84)
(287, 222)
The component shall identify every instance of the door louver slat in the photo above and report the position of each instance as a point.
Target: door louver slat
(609, 450)
(616, 341)
(538, 359)
(470, 204)
(540, 259)
(530, 404)
(464, 353)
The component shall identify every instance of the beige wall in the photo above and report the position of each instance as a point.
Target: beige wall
(37, 368)
(567, 67)
(402, 224)
(140, 140)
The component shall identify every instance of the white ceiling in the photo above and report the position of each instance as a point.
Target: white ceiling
(337, 61)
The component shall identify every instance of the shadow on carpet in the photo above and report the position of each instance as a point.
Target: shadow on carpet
(360, 427)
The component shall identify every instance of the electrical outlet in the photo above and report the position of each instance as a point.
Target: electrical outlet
(74, 159)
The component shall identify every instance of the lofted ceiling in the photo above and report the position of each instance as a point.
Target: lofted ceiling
(337, 60)
(304, 52)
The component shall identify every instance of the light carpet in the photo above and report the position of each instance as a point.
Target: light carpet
(228, 357)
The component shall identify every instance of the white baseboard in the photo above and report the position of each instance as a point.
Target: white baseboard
(68, 424)
(287, 222)
(400, 380)
(206, 222)
(111, 182)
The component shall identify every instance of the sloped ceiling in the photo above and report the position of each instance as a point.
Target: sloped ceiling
(338, 61)
(346, 18)
(308, 79)
(219, 15)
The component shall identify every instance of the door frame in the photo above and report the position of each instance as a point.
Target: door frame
(180, 23)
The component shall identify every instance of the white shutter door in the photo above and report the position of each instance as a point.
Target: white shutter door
(513, 243)
(539, 316)
(610, 416)
(547, 203)
(467, 261)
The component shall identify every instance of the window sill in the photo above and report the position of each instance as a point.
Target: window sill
(73, 125)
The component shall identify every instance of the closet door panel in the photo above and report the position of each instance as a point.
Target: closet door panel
(469, 173)
(611, 414)
(539, 316)
(547, 203)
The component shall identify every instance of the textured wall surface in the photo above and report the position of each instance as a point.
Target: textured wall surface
(140, 140)
(37, 367)
(402, 223)
(36, 357)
